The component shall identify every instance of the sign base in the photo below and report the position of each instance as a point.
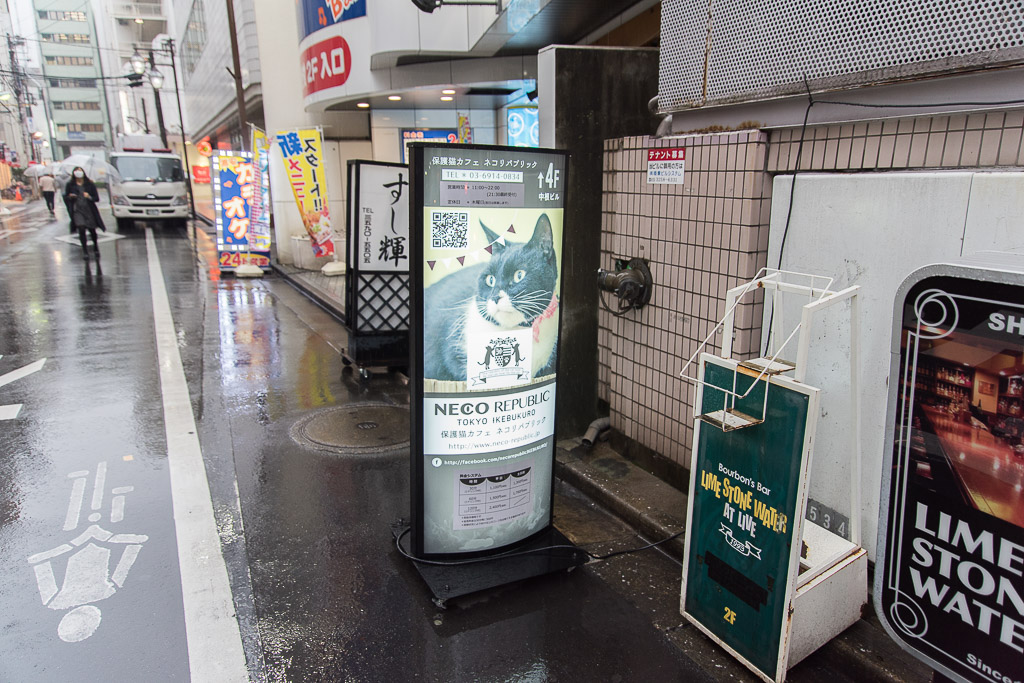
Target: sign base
(453, 581)
(378, 350)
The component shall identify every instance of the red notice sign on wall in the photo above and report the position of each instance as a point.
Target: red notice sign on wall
(326, 64)
(666, 166)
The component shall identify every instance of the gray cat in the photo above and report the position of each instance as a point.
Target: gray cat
(512, 291)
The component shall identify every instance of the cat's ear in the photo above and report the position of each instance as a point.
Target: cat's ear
(492, 239)
(543, 236)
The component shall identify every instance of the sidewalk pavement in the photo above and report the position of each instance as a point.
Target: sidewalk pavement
(656, 510)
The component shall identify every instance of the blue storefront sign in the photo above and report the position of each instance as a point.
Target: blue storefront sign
(317, 14)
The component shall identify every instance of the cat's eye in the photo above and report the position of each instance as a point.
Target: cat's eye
(490, 280)
(518, 277)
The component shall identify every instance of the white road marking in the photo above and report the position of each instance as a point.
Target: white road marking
(98, 485)
(211, 629)
(75, 504)
(101, 237)
(15, 375)
(9, 412)
(9, 232)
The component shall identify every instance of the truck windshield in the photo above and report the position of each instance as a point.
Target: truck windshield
(152, 169)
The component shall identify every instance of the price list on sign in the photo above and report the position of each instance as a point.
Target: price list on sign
(666, 166)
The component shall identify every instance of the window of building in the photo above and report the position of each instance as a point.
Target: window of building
(195, 38)
(77, 38)
(53, 15)
(86, 106)
(64, 60)
(72, 82)
(79, 127)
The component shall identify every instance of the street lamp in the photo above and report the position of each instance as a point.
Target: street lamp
(156, 79)
(138, 63)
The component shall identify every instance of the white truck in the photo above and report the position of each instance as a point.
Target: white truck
(149, 186)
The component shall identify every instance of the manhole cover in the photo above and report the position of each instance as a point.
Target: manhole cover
(355, 429)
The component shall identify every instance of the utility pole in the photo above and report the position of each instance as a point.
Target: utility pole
(19, 94)
(236, 62)
(169, 45)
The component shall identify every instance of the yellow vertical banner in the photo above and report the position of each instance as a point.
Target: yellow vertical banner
(259, 210)
(302, 151)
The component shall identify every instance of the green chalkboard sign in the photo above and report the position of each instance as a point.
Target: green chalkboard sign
(747, 494)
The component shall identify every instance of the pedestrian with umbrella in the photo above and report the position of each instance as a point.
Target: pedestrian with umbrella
(80, 196)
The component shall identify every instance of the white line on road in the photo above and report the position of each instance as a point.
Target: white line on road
(10, 412)
(214, 643)
(15, 375)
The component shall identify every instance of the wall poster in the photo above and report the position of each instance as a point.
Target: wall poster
(486, 281)
(949, 576)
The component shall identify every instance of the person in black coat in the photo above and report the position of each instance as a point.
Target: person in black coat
(80, 196)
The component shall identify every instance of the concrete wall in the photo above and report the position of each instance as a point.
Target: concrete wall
(587, 95)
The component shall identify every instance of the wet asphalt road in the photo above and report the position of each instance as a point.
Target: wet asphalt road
(319, 592)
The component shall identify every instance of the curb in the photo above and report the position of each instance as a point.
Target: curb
(658, 510)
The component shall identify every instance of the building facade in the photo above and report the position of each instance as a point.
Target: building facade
(127, 28)
(856, 146)
(72, 69)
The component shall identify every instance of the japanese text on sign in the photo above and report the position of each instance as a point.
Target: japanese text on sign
(666, 166)
(302, 151)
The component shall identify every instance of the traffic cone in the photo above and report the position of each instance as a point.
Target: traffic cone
(17, 194)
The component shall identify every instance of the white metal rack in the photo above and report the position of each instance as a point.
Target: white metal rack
(831, 581)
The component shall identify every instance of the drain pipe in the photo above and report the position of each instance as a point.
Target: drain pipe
(594, 431)
(665, 126)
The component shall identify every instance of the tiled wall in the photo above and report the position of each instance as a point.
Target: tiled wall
(958, 141)
(700, 238)
(711, 234)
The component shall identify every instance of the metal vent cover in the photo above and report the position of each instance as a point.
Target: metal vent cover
(757, 49)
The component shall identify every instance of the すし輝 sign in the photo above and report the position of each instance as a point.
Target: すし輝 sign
(487, 226)
(949, 576)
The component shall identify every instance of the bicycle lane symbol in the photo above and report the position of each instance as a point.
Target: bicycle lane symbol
(86, 575)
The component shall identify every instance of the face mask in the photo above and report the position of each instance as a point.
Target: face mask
(79, 174)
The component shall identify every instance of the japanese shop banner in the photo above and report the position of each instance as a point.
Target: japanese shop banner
(487, 281)
(259, 209)
(315, 15)
(381, 228)
(949, 574)
(302, 151)
(232, 195)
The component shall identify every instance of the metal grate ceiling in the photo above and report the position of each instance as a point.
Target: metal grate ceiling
(763, 48)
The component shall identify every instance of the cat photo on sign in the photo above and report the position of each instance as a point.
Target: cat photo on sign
(494, 324)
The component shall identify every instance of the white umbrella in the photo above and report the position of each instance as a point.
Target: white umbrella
(39, 170)
(96, 169)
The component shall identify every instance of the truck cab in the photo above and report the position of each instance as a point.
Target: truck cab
(150, 186)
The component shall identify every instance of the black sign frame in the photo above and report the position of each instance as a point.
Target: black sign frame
(418, 175)
(387, 345)
(933, 429)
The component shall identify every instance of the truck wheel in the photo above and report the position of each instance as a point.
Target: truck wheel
(125, 224)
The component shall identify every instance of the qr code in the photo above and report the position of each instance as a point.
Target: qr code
(449, 230)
